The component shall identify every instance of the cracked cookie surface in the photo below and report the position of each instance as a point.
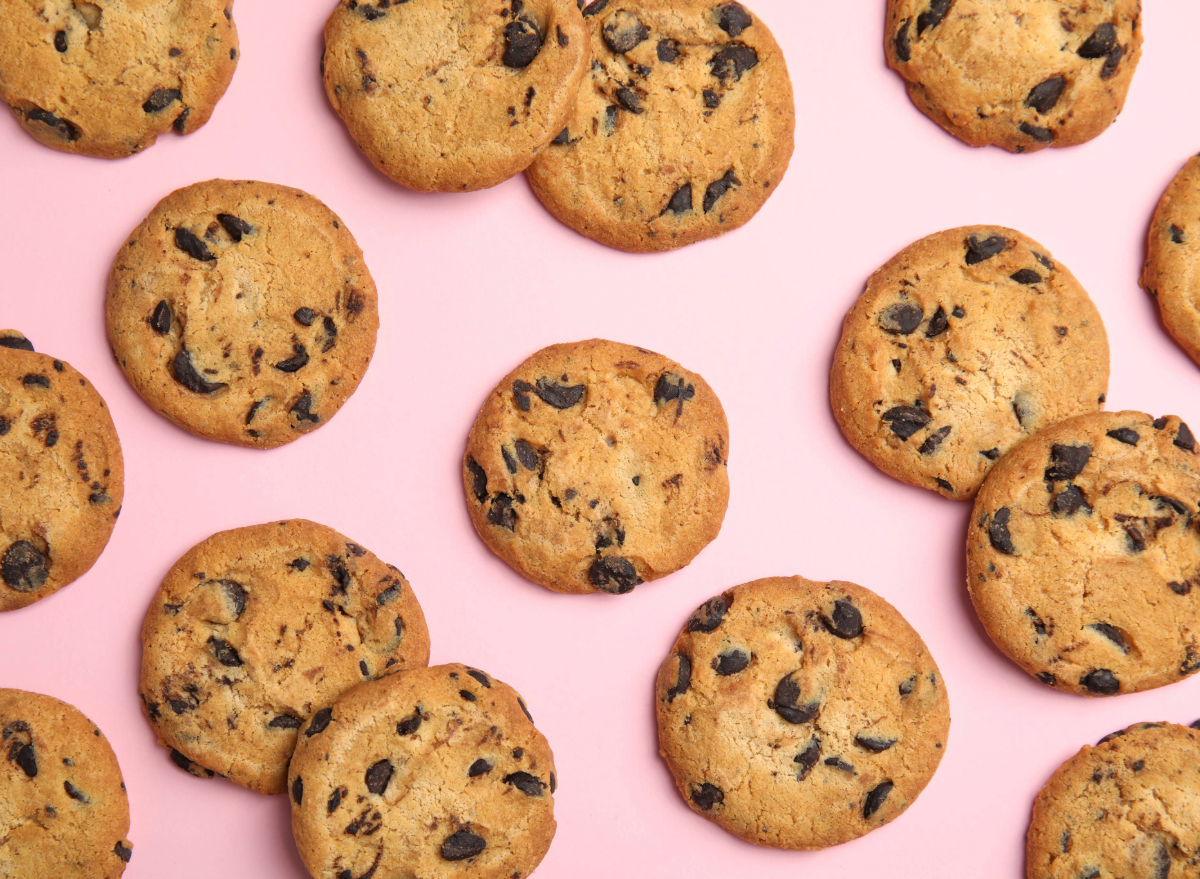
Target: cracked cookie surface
(1172, 271)
(1126, 807)
(682, 130)
(243, 311)
(435, 772)
(595, 466)
(963, 344)
(63, 808)
(256, 628)
(106, 77)
(454, 96)
(800, 715)
(62, 476)
(1083, 556)
(1019, 74)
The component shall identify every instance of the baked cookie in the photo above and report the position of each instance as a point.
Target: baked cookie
(595, 466)
(243, 311)
(682, 130)
(1020, 74)
(106, 77)
(62, 477)
(63, 809)
(454, 96)
(962, 345)
(1083, 557)
(434, 772)
(1126, 807)
(800, 715)
(1172, 271)
(254, 629)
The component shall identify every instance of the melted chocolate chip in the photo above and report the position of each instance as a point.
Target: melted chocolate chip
(709, 615)
(24, 567)
(1067, 462)
(906, 420)
(410, 724)
(523, 42)
(527, 784)
(1100, 681)
(875, 744)
(1126, 435)
(978, 251)
(667, 51)
(192, 246)
(998, 534)
(285, 721)
(623, 31)
(478, 480)
(933, 441)
(733, 18)
(718, 188)
(556, 395)
(683, 678)
(932, 16)
(787, 695)
(236, 227)
(298, 790)
(225, 652)
(707, 796)
(160, 99)
(320, 720)
(378, 776)
(1100, 43)
(160, 321)
(613, 574)
(731, 662)
(64, 129)
(901, 44)
(875, 798)
(807, 759)
(294, 363)
(1043, 96)
(901, 319)
(681, 201)
(1184, 438)
(845, 622)
(1069, 501)
(732, 61)
(463, 844)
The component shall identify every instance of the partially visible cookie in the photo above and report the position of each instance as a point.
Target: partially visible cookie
(595, 466)
(454, 96)
(254, 629)
(63, 808)
(963, 344)
(106, 77)
(1020, 74)
(1124, 808)
(243, 311)
(800, 715)
(62, 478)
(437, 772)
(1172, 271)
(683, 128)
(1083, 556)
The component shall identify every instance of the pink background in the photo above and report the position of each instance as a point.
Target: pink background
(469, 286)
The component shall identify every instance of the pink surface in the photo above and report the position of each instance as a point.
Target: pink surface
(469, 286)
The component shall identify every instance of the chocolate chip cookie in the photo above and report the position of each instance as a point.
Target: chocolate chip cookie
(454, 96)
(1126, 807)
(256, 628)
(596, 466)
(62, 478)
(800, 715)
(435, 772)
(1083, 557)
(1020, 74)
(243, 311)
(962, 345)
(63, 809)
(1172, 271)
(106, 77)
(682, 130)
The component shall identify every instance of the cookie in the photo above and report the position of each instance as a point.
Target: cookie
(254, 629)
(454, 97)
(682, 130)
(963, 344)
(435, 772)
(64, 812)
(596, 466)
(1019, 74)
(62, 478)
(106, 77)
(1172, 271)
(242, 311)
(800, 715)
(1126, 807)
(1083, 556)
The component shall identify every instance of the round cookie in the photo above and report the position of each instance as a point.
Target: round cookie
(1126, 807)
(1083, 556)
(596, 466)
(253, 629)
(800, 715)
(682, 130)
(434, 772)
(242, 311)
(1020, 74)
(106, 77)
(62, 478)
(453, 97)
(1172, 271)
(63, 808)
(963, 344)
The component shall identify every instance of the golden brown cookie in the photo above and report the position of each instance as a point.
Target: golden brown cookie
(62, 477)
(963, 344)
(1172, 271)
(596, 466)
(106, 77)
(800, 715)
(682, 130)
(254, 629)
(243, 311)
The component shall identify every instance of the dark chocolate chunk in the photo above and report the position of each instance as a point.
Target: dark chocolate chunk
(1100, 681)
(613, 574)
(294, 363)
(1067, 462)
(24, 567)
(410, 724)
(732, 61)
(906, 420)
(235, 226)
(629, 99)
(876, 744)
(846, 621)
(938, 324)
(302, 408)
(478, 480)
(304, 316)
(709, 615)
(378, 775)
(840, 764)
(160, 99)
(681, 201)
(285, 721)
(19, 343)
(1041, 135)
(501, 513)
(1026, 276)
(563, 137)
(225, 652)
(1112, 633)
(1100, 43)
(527, 455)
(875, 798)
(25, 757)
(670, 387)
(1126, 435)
(900, 43)
(523, 42)
(182, 761)
(1069, 501)
(192, 246)
(34, 380)
(623, 31)
(530, 785)
(667, 51)
(1043, 96)
(60, 41)
(932, 17)
(785, 703)
(123, 852)
(480, 676)
(595, 7)
(320, 720)
(683, 678)
(707, 796)
(933, 441)
(556, 395)
(478, 768)
(335, 799)
(1184, 438)
(998, 534)
(718, 188)
(298, 791)
(463, 844)
(807, 759)
(160, 321)
(978, 251)
(731, 662)
(75, 793)
(510, 462)
(733, 18)
(1176, 234)
(64, 129)
(901, 319)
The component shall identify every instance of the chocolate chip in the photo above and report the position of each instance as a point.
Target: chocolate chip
(1100, 681)
(807, 759)
(25, 757)
(527, 455)
(182, 761)
(478, 480)
(900, 43)
(285, 721)
(298, 790)
(160, 321)
(294, 363)
(335, 799)
(1112, 633)
(943, 484)
(123, 852)
(75, 793)
(683, 678)
(594, 8)
(998, 534)
(846, 621)
(556, 395)
(937, 324)
(680, 202)
(670, 387)
(630, 99)
(706, 796)
(787, 695)
(64, 129)
(187, 375)
(302, 409)
(480, 676)
(1176, 234)
(933, 441)
(733, 18)
(901, 319)
(24, 567)
(225, 652)
(906, 686)
(1026, 276)
(192, 246)
(501, 513)
(1181, 588)
(1046, 678)
(1100, 43)
(613, 574)
(906, 420)
(410, 724)
(623, 31)
(732, 61)
(875, 798)
(840, 764)
(718, 188)
(1041, 135)
(527, 784)
(34, 380)
(160, 99)
(320, 720)
(1125, 435)
(304, 316)
(19, 343)
(478, 768)
(378, 776)
(235, 226)
(523, 43)
(876, 744)
(667, 51)
(60, 41)
(463, 844)
(978, 251)
(1069, 501)
(731, 662)
(1043, 96)
(524, 710)
(1184, 438)
(708, 616)
(932, 17)
(1067, 462)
